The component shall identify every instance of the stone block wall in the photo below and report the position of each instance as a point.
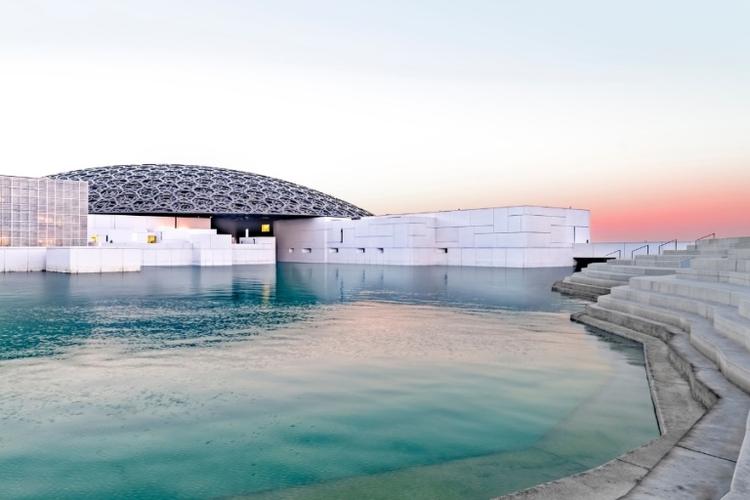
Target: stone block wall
(525, 236)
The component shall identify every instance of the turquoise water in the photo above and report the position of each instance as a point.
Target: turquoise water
(306, 381)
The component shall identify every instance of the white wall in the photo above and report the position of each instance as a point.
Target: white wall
(93, 259)
(191, 243)
(525, 236)
(22, 259)
(146, 222)
(259, 250)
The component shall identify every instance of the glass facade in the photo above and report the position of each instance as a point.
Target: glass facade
(42, 212)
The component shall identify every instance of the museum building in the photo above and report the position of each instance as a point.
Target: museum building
(123, 217)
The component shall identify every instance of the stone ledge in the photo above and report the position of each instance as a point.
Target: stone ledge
(696, 454)
(579, 290)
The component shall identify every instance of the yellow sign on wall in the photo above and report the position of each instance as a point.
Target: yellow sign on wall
(265, 228)
(151, 238)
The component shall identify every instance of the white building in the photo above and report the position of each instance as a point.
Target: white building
(183, 215)
(523, 236)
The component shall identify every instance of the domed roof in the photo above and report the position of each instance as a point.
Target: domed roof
(198, 190)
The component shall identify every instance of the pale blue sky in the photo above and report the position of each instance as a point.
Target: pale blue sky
(481, 39)
(408, 105)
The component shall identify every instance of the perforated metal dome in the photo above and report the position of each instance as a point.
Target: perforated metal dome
(198, 190)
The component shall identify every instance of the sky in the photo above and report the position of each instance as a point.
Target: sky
(638, 110)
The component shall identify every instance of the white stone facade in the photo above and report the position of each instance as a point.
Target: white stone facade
(260, 250)
(516, 237)
(122, 245)
(93, 260)
(116, 259)
(23, 259)
(524, 236)
(179, 241)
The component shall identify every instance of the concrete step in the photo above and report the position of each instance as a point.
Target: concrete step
(718, 252)
(586, 280)
(610, 266)
(680, 252)
(739, 242)
(712, 264)
(607, 275)
(658, 314)
(738, 278)
(731, 277)
(722, 293)
(731, 263)
(581, 290)
(739, 253)
(729, 323)
(620, 262)
(740, 487)
(662, 261)
(744, 308)
(633, 270)
(635, 322)
(732, 358)
(666, 301)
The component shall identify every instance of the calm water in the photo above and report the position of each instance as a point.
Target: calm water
(306, 381)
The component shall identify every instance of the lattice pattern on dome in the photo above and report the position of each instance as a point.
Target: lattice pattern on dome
(192, 189)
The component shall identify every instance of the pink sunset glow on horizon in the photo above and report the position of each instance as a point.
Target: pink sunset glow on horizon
(672, 218)
(688, 208)
(627, 204)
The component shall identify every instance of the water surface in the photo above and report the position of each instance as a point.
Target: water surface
(306, 381)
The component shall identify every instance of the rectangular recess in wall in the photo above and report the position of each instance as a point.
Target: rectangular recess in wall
(381, 250)
(442, 250)
(361, 250)
(291, 250)
(306, 250)
(333, 250)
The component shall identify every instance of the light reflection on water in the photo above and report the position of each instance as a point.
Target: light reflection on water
(305, 381)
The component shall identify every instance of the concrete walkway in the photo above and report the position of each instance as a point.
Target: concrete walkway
(695, 327)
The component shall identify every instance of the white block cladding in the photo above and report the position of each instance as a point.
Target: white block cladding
(181, 241)
(22, 259)
(93, 260)
(523, 236)
(123, 246)
(117, 259)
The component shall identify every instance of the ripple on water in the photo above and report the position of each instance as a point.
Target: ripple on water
(306, 382)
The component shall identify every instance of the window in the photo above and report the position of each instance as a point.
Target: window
(361, 250)
(333, 250)
(442, 250)
(381, 250)
(265, 228)
(306, 250)
(342, 236)
(291, 250)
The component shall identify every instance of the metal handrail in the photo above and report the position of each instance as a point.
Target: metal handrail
(648, 250)
(658, 250)
(709, 235)
(618, 252)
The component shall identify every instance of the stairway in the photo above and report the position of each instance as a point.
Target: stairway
(599, 278)
(698, 302)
